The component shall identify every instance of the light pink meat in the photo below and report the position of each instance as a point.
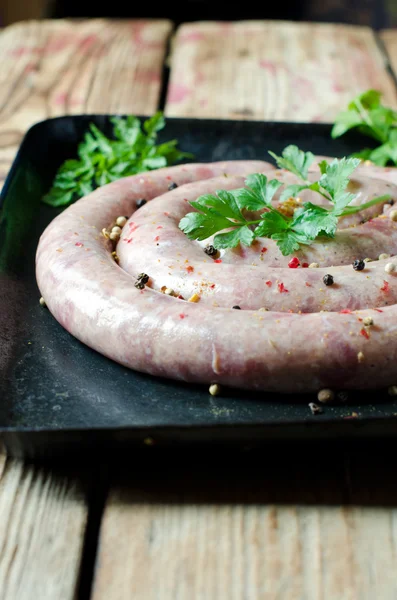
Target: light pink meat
(98, 303)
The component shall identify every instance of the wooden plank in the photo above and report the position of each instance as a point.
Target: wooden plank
(273, 70)
(42, 527)
(389, 40)
(52, 68)
(285, 523)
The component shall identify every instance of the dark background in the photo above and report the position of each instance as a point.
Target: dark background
(374, 13)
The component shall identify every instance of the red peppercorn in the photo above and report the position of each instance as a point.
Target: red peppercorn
(294, 263)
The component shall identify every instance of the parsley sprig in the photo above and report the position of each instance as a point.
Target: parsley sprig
(367, 114)
(224, 209)
(102, 160)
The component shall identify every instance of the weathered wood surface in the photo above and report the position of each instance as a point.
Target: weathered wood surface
(305, 526)
(310, 525)
(389, 40)
(42, 527)
(276, 71)
(296, 523)
(53, 68)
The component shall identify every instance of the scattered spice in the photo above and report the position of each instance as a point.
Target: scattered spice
(268, 283)
(182, 316)
(325, 396)
(385, 287)
(282, 288)
(393, 215)
(237, 307)
(307, 284)
(42, 301)
(194, 298)
(140, 202)
(264, 250)
(172, 186)
(115, 256)
(121, 221)
(294, 263)
(364, 333)
(342, 396)
(105, 233)
(214, 389)
(210, 250)
(328, 279)
(166, 290)
(189, 269)
(360, 357)
(390, 268)
(305, 265)
(359, 265)
(368, 321)
(79, 244)
(383, 256)
(143, 277)
(314, 266)
(367, 260)
(315, 409)
(345, 311)
(218, 260)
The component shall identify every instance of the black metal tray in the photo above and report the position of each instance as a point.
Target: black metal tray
(58, 396)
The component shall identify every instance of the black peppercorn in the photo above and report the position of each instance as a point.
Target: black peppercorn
(238, 307)
(210, 250)
(358, 265)
(342, 396)
(172, 186)
(328, 279)
(143, 278)
(139, 284)
(140, 202)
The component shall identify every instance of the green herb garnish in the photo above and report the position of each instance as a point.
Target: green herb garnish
(224, 210)
(366, 114)
(102, 160)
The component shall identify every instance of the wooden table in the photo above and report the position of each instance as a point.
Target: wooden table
(308, 523)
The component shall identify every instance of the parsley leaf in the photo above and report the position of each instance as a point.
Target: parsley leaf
(336, 176)
(295, 160)
(289, 241)
(243, 235)
(224, 211)
(367, 114)
(102, 160)
(217, 212)
(313, 220)
(258, 194)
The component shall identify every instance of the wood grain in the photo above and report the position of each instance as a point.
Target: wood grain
(290, 523)
(389, 40)
(42, 526)
(273, 70)
(52, 68)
